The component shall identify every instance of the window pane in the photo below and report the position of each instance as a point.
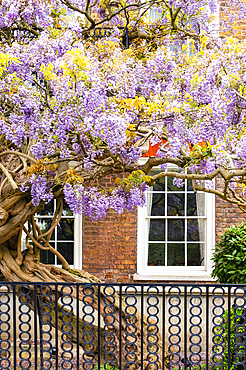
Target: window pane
(157, 230)
(171, 187)
(195, 204)
(176, 230)
(175, 204)
(159, 186)
(44, 225)
(195, 254)
(189, 185)
(156, 254)
(47, 256)
(65, 229)
(66, 210)
(176, 254)
(195, 230)
(156, 204)
(48, 210)
(66, 250)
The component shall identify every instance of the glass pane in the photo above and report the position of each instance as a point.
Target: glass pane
(156, 254)
(196, 204)
(47, 257)
(175, 204)
(160, 184)
(65, 229)
(66, 210)
(155, 171)
(189, 185)
(176, 254)
(48, 210)
(156, 204)
(195, 254)
(67, 251)
(171, 187)
(176, 230)
(196, 230)
(157, 230)
(44, 225)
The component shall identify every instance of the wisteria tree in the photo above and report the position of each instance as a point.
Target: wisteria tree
(74, 110)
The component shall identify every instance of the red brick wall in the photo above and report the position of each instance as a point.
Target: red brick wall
(226, 214)
(110, 245)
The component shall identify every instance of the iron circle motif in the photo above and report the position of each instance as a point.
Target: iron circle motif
(45, 308)
(177, 330)
(153, 308)
(130, 340)
(132, 310)
(64, 291)
(67, 300)
(238, 292)
(152, 328)
(67, 325)
(152, 300)
(218, 329)
(109, 324)
(174, 320)
(109, 309)
(109, 287)
(195, 328)
(133, 300)
(5, 345)
(130, 328)
(239, 326)
(24, 298)
(45, 290)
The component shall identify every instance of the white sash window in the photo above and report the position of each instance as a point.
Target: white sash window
(175, 230)
(66, 237)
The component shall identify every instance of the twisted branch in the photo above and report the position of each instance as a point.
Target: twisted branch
(65, 264)
(9, 177)
(18, 154)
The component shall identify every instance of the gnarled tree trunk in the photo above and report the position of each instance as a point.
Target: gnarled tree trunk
(16, 210)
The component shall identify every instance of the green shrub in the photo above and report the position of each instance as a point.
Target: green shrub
(235, 347)
(229, 256)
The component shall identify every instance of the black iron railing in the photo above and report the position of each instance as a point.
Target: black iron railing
(122, 326)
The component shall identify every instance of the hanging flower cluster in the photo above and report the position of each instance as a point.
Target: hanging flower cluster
(97, 105)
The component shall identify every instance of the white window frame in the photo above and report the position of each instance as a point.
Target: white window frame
(77, 255)
(200, 273)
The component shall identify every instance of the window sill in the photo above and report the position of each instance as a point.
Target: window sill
(172, 277)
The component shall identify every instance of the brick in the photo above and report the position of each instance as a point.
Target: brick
(110, 245)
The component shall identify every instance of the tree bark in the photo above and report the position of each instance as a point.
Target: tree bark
(28, 269)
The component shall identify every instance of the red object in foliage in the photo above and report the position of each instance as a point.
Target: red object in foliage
(153, 149)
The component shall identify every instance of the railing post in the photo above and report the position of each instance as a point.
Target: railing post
(142, 315)
(56, 328)
(229, 328)
(14, 325)
(35, 329)
(99, 326)
(207, 326)
(77, 322)
(163, 325)
(40, 329)
(120, 331)
(185, 328)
